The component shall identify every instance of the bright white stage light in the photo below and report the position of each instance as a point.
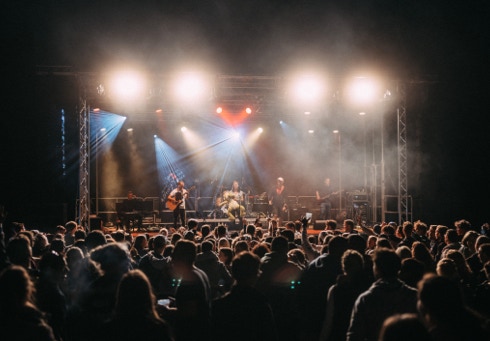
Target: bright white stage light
(190, 86)
(128, 85)
(362, 90)
(183, 129)
(308, 89)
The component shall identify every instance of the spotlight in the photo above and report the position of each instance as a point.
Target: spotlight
(100, 89)
(311, 131)
(130, 130)
(155, 136)
(308, 88)
(219, 110)
(362, 113)
(335, 131)
(248, 110)
(183, 129)
(103, 129)
(190, 86)
(260, 130)
(362, 90)
(307, 113)
(128, 84)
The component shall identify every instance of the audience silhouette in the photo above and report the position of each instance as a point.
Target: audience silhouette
(385, 282)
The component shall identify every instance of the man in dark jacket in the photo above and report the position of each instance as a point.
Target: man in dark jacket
(218, 275)
(387, 296)
(243, 313)
(278, 281)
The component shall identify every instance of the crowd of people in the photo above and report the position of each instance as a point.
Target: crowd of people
(409, 281)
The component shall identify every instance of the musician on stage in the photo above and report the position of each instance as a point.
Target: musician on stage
(176, 202)
(325, 200)
(131, 195)
(234, 199)
(278, 201)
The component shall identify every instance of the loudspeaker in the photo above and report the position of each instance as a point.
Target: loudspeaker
(319, 225)
(95, 223)
(166, 216)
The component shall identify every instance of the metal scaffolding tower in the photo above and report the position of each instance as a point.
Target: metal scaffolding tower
(403, 206)
(84, 163)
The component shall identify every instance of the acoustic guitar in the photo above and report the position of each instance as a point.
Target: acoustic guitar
(173, 203)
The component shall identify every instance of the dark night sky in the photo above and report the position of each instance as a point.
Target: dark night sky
(445, 42)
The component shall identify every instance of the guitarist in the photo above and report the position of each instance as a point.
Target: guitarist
(325, 201)
(176, 202)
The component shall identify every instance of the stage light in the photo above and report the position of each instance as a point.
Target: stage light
(362, 90)
(159, 111)
(128, 85)
(387, 95)
(183, 129)
(130, 130)
(100, 89)
(362, 113)
(96, 110)
(219, 110)
(248, 110)
(260, 130)
(311, 131)
(103, 129)
(307, 89)
(190, 87)
(281, 122)
(335, 131)
(307, 113)
(155, 136)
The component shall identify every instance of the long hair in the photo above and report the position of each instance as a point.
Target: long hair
(16, 289)
(135, 296)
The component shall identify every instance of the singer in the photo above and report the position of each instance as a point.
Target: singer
(176, 203)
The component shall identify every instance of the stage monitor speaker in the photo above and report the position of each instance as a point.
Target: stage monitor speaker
(319, 224)
(95, 223)
(166, 216)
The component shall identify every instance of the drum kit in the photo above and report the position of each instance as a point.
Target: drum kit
(252, 205)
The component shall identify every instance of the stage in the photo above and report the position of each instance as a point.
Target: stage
(153, 229)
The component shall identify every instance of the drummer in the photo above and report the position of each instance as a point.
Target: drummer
(233, 201)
